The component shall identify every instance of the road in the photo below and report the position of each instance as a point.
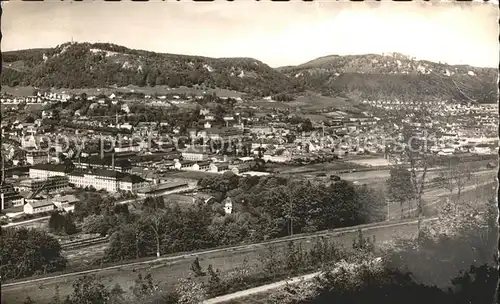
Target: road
(26, 222)
(169, 270)
(260, 289)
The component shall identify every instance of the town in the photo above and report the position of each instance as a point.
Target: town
(213, 154)
(241, 140)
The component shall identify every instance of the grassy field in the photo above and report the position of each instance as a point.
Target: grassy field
(309, 101)
(18, 91)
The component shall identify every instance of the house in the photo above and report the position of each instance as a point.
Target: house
(66, 202)
(34, 206)
(261, 129)
(280, 156)
(183, 165)
(219, 167)
(206, 198)
(239, 168)
(228, 205)
(201, 166)
(192, 165)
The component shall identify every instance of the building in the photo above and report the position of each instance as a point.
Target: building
(33, 206)
(228, 205)
(219, 167)
(194, 155)
(111, 181)
(108, 163)
(36, 157)
(108, 180)
(52, 183)
(220, 133)
(239, 168)
(164, 188)
(46, 170)
(192, 165)
(66, 202)
(261, 129)
(128, 147)
(9, 197)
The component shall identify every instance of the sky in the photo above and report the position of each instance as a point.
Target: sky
(278, 34)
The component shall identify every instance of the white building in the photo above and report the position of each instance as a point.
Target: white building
(228, 205)
(38, 206)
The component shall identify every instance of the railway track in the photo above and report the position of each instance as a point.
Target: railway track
(84, 243)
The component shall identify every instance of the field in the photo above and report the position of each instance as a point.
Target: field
(309, 101)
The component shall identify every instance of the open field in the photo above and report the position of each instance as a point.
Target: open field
(372, 162)
(18, 91)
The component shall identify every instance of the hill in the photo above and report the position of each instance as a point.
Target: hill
(84, 65)
(396, 76)
(80, 65)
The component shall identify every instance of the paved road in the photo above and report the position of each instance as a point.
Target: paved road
(26, 222)
(169, 270)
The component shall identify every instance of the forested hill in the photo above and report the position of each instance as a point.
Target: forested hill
(77, 65)
(396, 76)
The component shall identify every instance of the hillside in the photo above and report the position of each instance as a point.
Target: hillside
(83, 65)
(78, 65)
(396, 76)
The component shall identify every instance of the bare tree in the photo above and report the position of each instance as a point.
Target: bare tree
(456, 176)
(155, 220)
(410, 148)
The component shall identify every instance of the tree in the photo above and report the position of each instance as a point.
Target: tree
(95, 224)
(295, 258)
(196, 268)
(155, 221)
(399, 186)
(88, 289)
(62, 223)
(214, 282)
(190, 292)
(29, 301)
(145, 289)
(25, 252)
(465, 233)
(411, 147)
(29, 119)
(456, 176)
